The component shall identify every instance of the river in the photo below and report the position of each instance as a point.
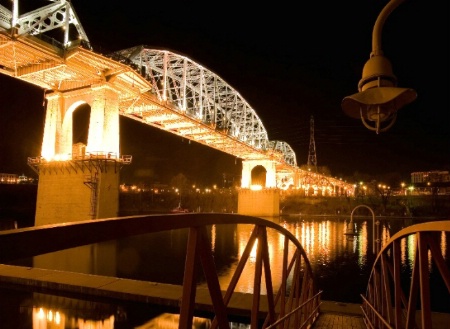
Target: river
(341, 264)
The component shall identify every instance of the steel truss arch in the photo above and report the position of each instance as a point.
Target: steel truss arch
(59, 14)
(201, 94)
(286, 149)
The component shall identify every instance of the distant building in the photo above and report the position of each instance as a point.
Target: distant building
(436, 182)
(9, 178)
(15, 179)
(434, 176)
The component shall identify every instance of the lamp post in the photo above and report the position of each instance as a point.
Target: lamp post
(378, 98)
(375, 228)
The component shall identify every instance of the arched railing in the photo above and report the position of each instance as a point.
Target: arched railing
(396, 300)
(291, 300)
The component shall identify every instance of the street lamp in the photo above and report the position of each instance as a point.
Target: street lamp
(379, 98)
(375, 228)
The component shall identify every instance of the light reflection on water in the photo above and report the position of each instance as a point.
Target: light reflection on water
(341, 263)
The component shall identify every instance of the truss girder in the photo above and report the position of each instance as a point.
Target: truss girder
(59, 14)
(5, 17)
(316, 179)
(284, 148)
(201, 134)
(15, 55)
(52, 68)
(202, 95)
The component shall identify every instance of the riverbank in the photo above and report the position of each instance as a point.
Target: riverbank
(423, 206)
(364, 217)
(18, 203)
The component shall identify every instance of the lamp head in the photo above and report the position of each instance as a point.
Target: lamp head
(379, 98)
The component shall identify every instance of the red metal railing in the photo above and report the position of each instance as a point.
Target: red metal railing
(293, 302)
(387, 303)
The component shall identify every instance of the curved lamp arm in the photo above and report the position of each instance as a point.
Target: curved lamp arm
(379, 24)
(379, 98)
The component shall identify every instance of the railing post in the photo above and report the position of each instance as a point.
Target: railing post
(189, 281)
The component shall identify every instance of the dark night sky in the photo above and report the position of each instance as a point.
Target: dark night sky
(289, 63)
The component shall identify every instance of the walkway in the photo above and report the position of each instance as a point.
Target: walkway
(339, 321)
(336, 315)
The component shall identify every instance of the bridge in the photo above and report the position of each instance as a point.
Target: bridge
(156, 87)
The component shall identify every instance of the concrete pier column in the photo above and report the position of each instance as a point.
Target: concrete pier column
(104, 122)
(75, 187)
(52, 127)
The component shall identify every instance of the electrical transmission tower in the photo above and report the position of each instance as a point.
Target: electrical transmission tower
(312, 157)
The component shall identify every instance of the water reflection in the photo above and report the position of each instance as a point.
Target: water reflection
(341, 264)
(170, 321)
(41, 311)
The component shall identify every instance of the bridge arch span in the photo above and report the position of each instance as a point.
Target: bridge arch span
(67, 125)
(259, 175)
(286, 150)
(250, 169)
(202, 95)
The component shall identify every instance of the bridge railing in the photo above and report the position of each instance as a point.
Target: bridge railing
(289, 299)
(394, 300)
